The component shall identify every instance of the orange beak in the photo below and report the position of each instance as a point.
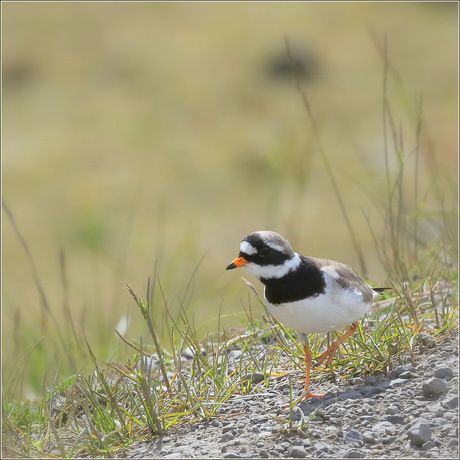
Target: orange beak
(238, 262)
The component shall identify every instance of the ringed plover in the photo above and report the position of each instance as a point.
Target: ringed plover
(307, 294)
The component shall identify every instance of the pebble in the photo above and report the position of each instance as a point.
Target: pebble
(354, 454)
(257, 377)
(187, 353)
(428, 445)
(370, 380)
(350, 394)
(451, 402)
(443, 372)
(452, 442)
(335, 421)
(383, 428)
(231, 455)
(407, 375)
(392, 410)
(234, 354)
(365, 408)
(437, 441)
(395, 373)
(445, 431)
(366, 390)
(369, 437)
(397, 383)
(226, 437)
(297, 452)
(384, 384)
(394, 419)
(433, 387)
(260, 418)
(264, 453)
(419, 434)
(389, 440)
(321, 447)
(353, 437)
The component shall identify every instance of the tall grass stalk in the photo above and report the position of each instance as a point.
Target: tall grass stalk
(325, 160)
(405, 242)
(64, 338)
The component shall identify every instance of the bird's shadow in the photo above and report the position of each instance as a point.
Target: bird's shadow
(355, 392)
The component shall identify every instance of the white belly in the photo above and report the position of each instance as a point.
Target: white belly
(324, 313)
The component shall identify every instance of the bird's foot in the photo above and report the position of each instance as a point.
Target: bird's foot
(305, 395)
(308, 395)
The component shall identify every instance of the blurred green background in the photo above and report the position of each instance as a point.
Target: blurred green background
(137, 134)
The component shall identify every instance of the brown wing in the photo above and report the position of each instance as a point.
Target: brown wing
(347, 278)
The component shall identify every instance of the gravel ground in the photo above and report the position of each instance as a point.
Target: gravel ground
(410, 413)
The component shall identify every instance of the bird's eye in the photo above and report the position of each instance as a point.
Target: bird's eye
(264, 251)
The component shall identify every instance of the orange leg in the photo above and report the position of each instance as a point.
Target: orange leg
(306, 394)
(308, 360)
(331, 351)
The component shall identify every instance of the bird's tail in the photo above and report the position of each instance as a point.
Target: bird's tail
(379, 290)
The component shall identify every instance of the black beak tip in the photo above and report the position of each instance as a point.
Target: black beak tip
(231, 266)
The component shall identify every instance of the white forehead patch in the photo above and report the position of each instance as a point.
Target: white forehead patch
(247, 248)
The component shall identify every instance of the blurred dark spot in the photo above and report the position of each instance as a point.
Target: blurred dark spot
(280, 66)
(16, 75)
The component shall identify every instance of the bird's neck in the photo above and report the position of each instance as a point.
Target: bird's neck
(306, 280)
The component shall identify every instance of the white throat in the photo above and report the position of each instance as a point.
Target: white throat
(273, 271)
